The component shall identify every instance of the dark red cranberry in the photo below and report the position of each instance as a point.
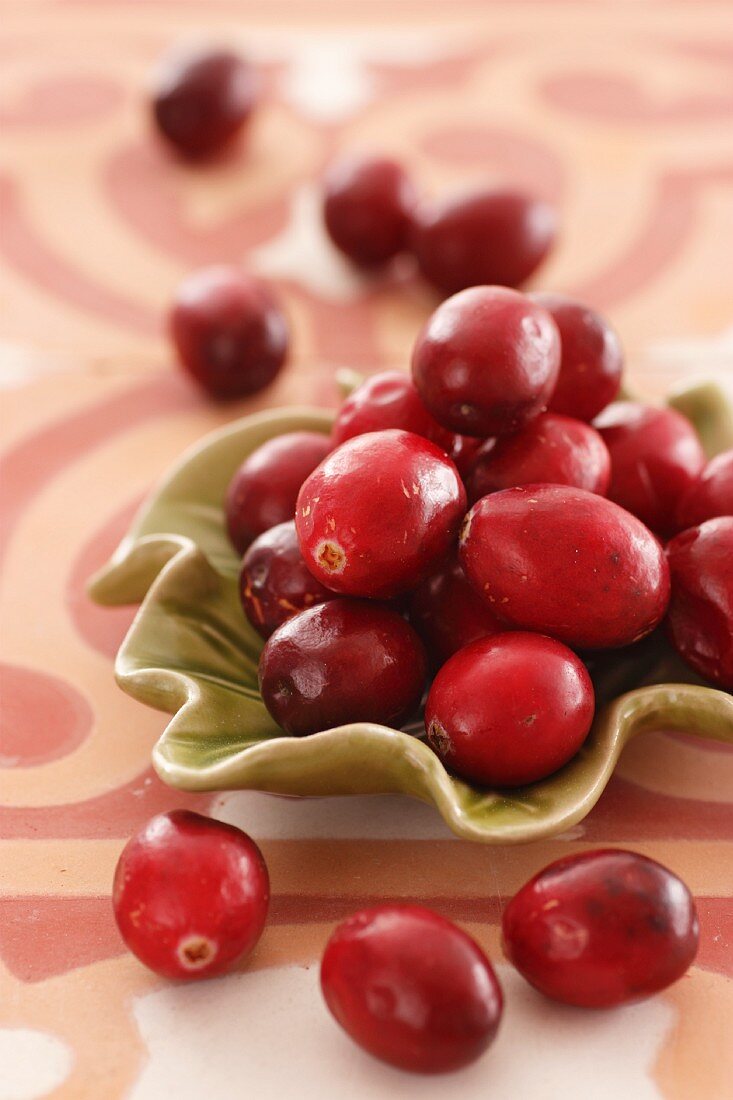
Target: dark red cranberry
(388, 400)
(601, 928)
(447, 615)
(482, 238)
(229, 332)
(411, 988)
(486, 362)
(274, 583)
(367, 205)
(710, 495)
(464, 451)
(510, 709)
(551, 448)
(700, 617)
(201, 100)
(655, 456)
(379, 514)
(264, 489)
(592, 359)
(342, 661)
(190, 895)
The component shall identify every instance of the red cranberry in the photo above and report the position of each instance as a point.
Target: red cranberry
(229, 332)
(264, 489)
(700, 618)
(464, 451)
(601, 928)
(367, 207)
(379, 514)
(482, 238)
(539, 713)
(411, 988)
(342, 661)
(486, 362)
(710, 496)
(592, 359)
(655, 456)
(274, 583)
(190, 895)
(551, 448)
(447, 615)
(201, 100)
(388, 400)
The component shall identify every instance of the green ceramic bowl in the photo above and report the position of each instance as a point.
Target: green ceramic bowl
(191, 652)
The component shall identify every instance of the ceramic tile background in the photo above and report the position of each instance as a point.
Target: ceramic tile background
(620, 113)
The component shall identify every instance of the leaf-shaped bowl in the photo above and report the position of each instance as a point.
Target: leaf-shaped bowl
(191, 652)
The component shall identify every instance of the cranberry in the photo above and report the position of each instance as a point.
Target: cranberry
(486, 362)
(190, 895)
(229, 332)
(447, 615)
(539, 711)
(411, 988)
(601, 928)
(201, 100)
(464, 450)
(274, 583)
(264, 489)
(379, 514)
(592, 359)
(710, 495)
(339, 662)
(482, 238)
(367, 207)
(655, 456)
(551, 448)
(388, 400)
(700, 618)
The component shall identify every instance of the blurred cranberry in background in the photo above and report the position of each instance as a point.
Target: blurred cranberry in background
(367, 205)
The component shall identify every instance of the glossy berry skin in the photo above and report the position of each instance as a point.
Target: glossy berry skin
(486, 361)
(655, 456)
(700, 617)
(379, 514)
(202, 100)
(509, 710)
(230, 334)
(551, 448)
(601, 928)
(388, 400)
(367, 205)
(274, 583)
(710, 495)
(190, 895)
(447, 614)
(263, 491)
(566, 562)
(411, 988)
(342, 661)
(592, 359)
(464, 451)
(482, 238)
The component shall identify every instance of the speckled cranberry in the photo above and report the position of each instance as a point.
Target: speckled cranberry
(447, 615)
(601, 928)
(411, 988)
(700, 617)
(711, 495)
(190, 895)
(342, 661)
(274, 583)
(486, 361)
(230, 334)
(388, 400)
(263, 491)
(367, 206)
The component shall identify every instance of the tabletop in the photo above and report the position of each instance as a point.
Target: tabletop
(619, 113)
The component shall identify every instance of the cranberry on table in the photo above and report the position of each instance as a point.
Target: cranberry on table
(447, 614)
(388, 400)
(566, 562)
(263, 491)
(700, 618)
(710, 495)
(551, 448)
(601, 928)
(190, 895)
(339, 662)
(229, 332)
(592, 359)
(201, 100)
(367, 206)
(656, 455)
(379, 514)
(486, 361)
(411, 988)
(482, 238)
